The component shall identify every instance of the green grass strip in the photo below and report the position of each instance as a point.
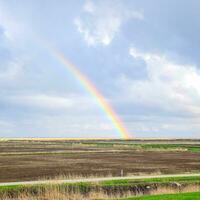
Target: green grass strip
(186, 179)
(183, 196)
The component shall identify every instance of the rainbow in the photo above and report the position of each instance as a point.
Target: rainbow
(88, 85)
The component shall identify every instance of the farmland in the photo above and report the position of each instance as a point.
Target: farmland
(22, 160)
(99, 169)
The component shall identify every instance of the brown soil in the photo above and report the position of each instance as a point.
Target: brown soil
(32, 166)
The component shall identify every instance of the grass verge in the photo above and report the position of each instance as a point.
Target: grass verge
(85, 187)
(186, 179)
(182, 196)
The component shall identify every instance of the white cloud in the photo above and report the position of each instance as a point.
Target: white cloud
(11, 70)
(165, 127)
(101, 20)
(44, 101)
(65, 126)
(170, 86)
(89, 7)
(46, 114)
(12, 28)
(52, 102)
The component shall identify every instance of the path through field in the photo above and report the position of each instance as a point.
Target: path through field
(94, 179)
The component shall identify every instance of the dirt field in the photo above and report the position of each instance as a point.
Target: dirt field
(33, 160)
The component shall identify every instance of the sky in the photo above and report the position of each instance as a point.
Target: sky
(142, 56)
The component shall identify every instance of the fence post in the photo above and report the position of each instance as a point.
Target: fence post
(122, 172)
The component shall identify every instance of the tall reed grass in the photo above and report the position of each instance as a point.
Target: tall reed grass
(60, 193)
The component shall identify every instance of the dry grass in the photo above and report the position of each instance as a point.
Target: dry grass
(74, 177)
(56, 193)
(177, 189)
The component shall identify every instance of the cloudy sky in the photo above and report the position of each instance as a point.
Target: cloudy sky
(143, 56)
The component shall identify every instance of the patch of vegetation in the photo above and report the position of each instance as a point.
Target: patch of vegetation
(11, 187)
(126, 182)
(99, 144)
(128, 144)
(194, 148)
(15, 190)
(85, 187)
(182, 196)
